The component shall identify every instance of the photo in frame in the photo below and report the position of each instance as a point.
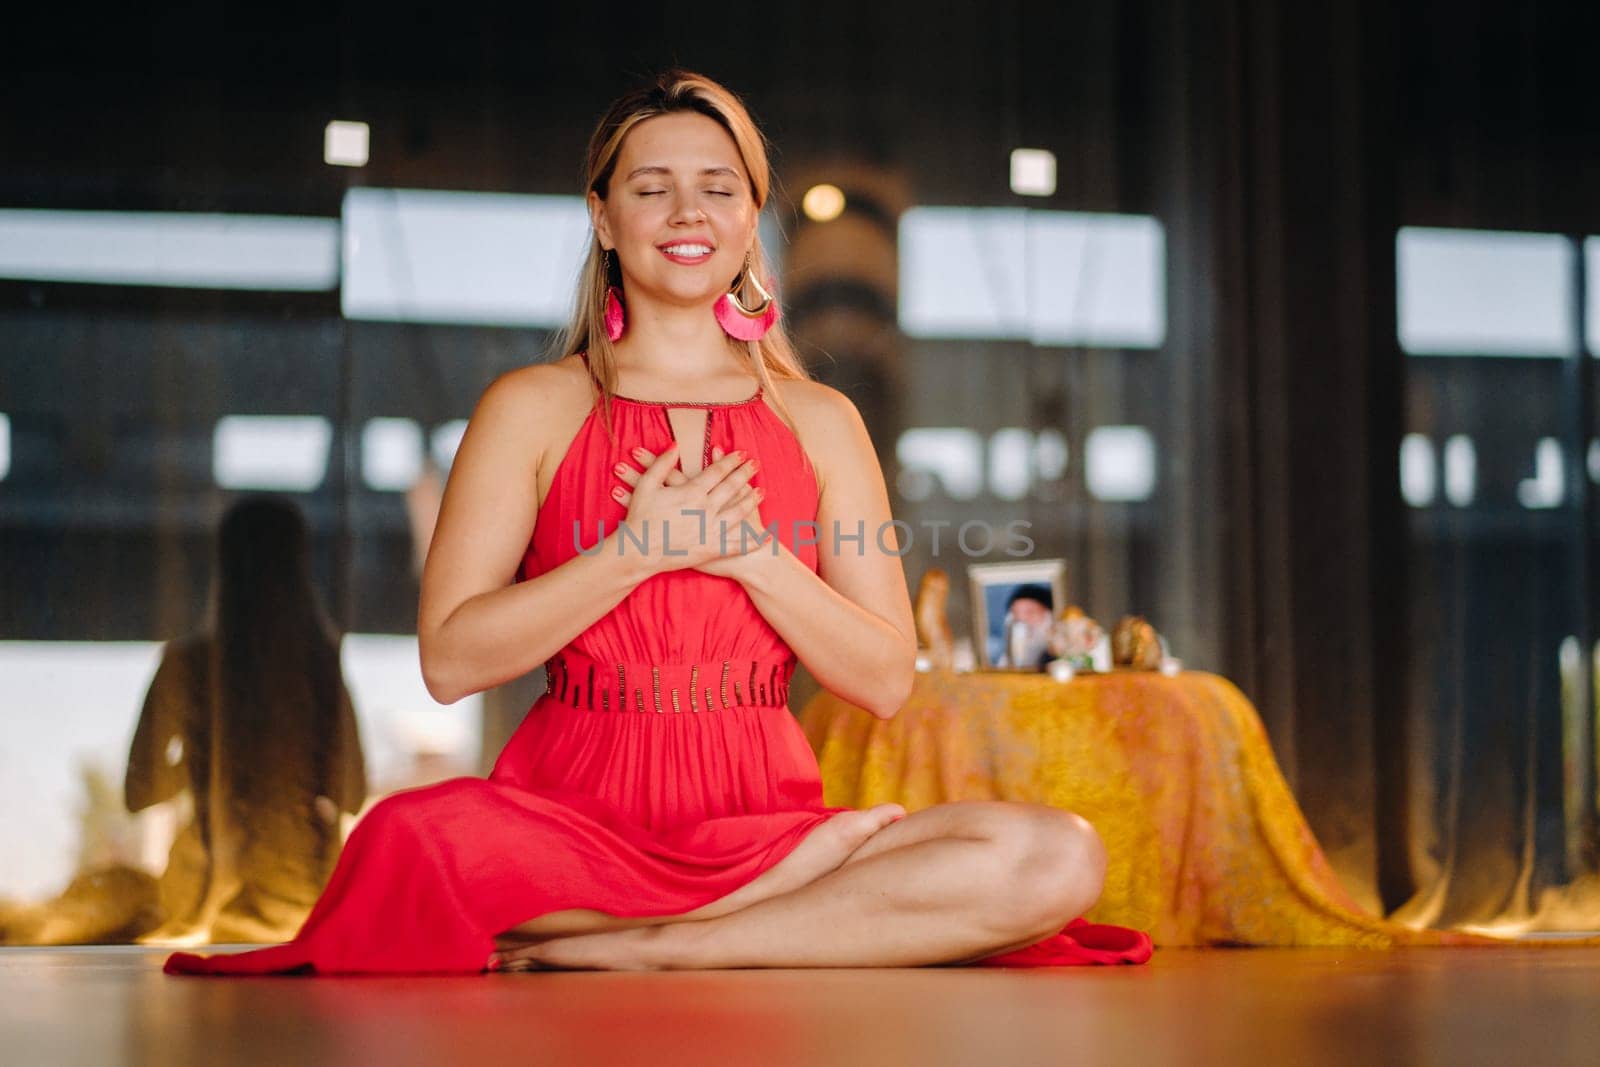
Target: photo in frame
(1013, 606)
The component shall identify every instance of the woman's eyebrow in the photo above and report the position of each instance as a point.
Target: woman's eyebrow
(656, 168)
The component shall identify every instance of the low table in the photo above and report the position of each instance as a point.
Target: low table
(1207, 844)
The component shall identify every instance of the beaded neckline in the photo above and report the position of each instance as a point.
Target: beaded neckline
(683, 403)
(690, 403)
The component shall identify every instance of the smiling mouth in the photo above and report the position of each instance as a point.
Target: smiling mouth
(687, 251)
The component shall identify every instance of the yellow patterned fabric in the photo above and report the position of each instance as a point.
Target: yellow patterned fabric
(1207, 845)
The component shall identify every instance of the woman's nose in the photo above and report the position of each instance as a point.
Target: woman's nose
(687, 209)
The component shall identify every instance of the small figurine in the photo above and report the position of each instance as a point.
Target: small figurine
(1075, 637)
(935, 641)
(1136, 645)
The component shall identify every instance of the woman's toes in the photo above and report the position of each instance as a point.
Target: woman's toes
(855, 827)
(884, 814)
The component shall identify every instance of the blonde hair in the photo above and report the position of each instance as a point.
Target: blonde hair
(773, 356)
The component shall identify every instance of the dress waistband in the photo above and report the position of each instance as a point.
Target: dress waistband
(583, 682)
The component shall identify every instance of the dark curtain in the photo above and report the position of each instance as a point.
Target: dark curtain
(1407, 669)
(1287, 179)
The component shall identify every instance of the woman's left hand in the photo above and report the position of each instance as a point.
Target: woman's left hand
(735, 565)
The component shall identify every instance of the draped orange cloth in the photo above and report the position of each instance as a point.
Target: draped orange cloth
(1207, 845)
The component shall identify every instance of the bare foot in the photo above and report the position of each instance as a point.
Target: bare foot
(612, 950)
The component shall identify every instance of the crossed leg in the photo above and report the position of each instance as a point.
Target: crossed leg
(824, 849)
(947, 884)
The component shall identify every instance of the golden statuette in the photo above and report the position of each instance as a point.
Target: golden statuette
(934, 637)
(1136, 645)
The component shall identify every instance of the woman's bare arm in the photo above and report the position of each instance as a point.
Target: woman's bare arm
(475, 628)
(152, 776)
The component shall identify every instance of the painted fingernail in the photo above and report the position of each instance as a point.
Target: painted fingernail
(617, 493)
(640, 453)
(621, 468)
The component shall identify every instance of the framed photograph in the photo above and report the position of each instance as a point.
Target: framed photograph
(1013, 605)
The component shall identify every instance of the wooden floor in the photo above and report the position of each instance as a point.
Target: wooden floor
(1525, 1006)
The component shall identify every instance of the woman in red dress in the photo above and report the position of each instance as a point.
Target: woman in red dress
(659, 806)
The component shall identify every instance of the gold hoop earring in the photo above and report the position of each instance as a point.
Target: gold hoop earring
(747, 275)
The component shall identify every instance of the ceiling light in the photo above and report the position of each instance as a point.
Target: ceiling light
(823, 203)
(1033, 172)
(344, 144)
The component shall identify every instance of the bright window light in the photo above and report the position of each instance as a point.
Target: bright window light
(1460, 470)
(1591, 273)
(1050, 455)
(1033, 172)
(1049, 277)
(72, 706)
(1120, 463)
(391, 454)
(170, 248)
(275, 452)
(1418, 471)
(444, 441)
(1547, 488)
(399, 720)
(1010, 463)
(492, 259)
(949, 457)
(344, 144)
(1478, 292)
(5, 446)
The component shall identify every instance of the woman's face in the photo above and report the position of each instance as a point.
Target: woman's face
(678, 214)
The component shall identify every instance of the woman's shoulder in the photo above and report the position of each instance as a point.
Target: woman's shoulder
(822, 414)
(813, 401)
(523, 414)
(828, 425)
(547, 387)
(524, 406)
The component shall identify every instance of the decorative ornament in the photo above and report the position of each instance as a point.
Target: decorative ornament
(616, 317)
(1136, 645)
(740, 322)
(1076, 638)
(935, 640)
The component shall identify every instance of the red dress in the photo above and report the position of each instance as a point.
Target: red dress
(660, 771)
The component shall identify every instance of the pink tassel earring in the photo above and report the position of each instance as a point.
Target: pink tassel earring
(742, 323)
(616, 319)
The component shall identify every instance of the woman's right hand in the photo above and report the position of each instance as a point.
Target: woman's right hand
(680, 520)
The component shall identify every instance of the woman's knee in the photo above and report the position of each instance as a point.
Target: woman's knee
(1054, 865)
(400, 812)
(387, 818)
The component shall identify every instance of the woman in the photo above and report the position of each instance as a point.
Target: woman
(659, 806)
(252, 718)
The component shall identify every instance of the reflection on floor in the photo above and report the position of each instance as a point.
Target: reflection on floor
(1260, 1006)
